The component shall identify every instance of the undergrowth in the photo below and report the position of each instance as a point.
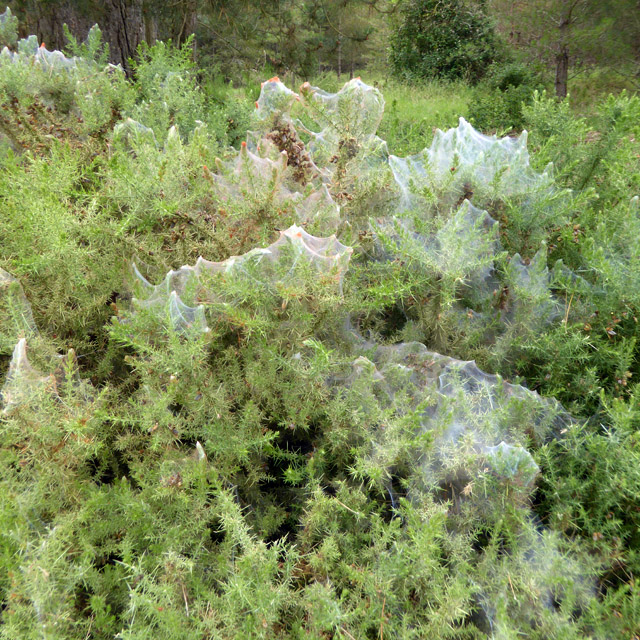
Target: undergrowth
(292, 442)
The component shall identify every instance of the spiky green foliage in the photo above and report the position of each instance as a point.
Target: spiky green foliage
(8, 28)
(286, 438)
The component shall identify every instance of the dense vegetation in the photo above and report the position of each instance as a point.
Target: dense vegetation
(568, 44)
(287, 438)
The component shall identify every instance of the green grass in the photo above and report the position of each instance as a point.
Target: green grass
(412, 111)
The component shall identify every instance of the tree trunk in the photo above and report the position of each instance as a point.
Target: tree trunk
(636, 43)
(123, 28)
(46, 21)
(562, 56)
(562, 73)
(121, 21)
(186, 23)
(150, 23)
(339, 47)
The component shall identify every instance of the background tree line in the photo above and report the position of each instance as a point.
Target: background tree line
(303, 37)
(413, 38)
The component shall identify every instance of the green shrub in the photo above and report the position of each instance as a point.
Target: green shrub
(288, 438)
(498, 100)
(444, 40)
(8, 29)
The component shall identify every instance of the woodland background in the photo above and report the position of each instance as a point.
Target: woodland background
(560, 40)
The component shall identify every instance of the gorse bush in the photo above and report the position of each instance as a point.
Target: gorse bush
(8, 29)
(240, 398)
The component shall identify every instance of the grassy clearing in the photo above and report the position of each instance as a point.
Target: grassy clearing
(412, 112)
